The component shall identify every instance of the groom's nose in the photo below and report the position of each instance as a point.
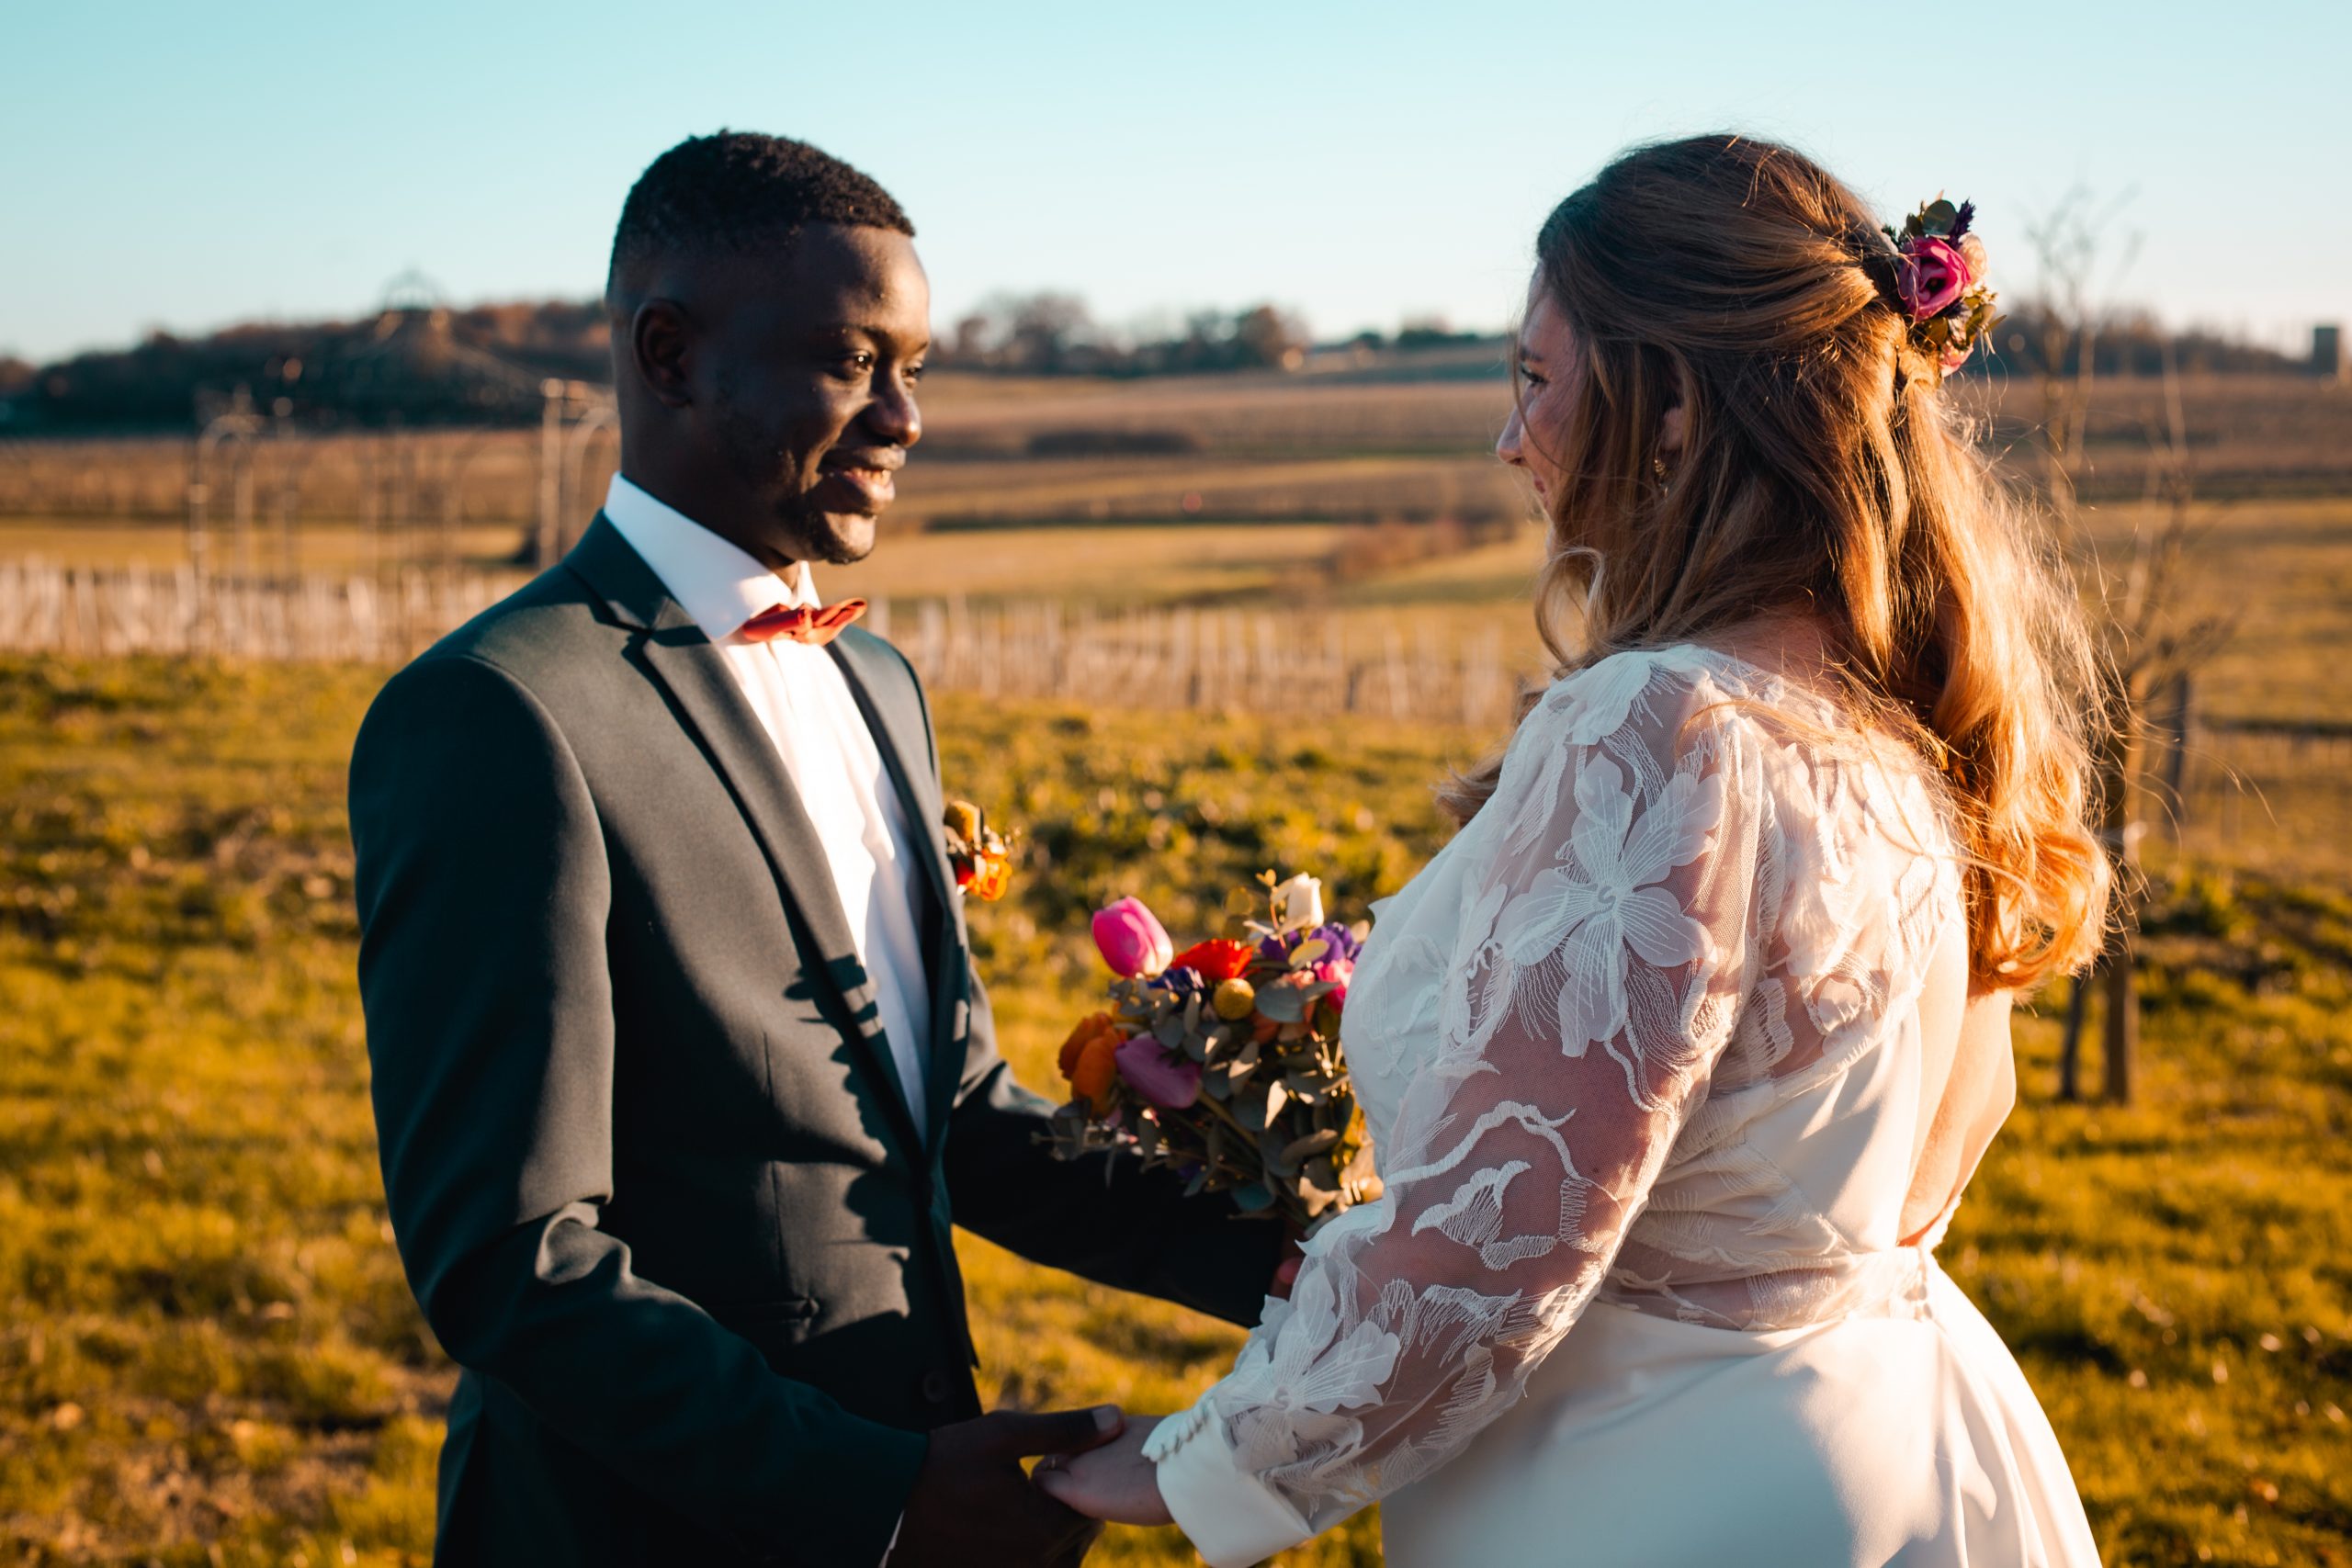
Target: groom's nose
(893, 416)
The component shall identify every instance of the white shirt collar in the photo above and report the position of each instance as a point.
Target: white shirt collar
(713, 579)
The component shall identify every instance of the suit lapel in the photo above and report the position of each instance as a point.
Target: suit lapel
(703, 690)
(893, 715)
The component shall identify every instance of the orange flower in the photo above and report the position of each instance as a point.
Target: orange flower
(1089, 1059)
(990, 875)
(1215, 959)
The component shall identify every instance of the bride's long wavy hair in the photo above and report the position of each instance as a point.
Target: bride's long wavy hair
(1822, 471)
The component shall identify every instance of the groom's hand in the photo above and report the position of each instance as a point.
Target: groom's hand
(972, 1503)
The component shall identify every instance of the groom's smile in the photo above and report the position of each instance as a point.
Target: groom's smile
(862, 477)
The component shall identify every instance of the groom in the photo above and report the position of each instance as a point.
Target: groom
(682, 1073)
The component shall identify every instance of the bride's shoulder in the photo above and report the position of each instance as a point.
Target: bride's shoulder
(1642, 694)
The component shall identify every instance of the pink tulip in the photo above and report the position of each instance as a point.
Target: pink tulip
(1171, 1085)
(1131, 940)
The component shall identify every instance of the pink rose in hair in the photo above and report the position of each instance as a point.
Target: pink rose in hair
(1938, 276)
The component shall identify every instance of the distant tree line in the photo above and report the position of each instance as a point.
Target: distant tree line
(418, 366)
(1054, 334)
(422, 364)
(2031, 340)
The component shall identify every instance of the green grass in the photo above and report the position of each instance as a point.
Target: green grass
(210, 1355)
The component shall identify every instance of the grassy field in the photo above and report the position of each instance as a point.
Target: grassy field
(210, 1358)
(1336, 447)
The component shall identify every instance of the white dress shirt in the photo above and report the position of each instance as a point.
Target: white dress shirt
(804, 703)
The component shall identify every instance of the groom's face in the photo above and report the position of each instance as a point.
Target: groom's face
(812, 361)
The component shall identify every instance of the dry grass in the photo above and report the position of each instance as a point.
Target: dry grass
(210, 1356)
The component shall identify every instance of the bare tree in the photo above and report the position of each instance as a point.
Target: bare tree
(2149, 643)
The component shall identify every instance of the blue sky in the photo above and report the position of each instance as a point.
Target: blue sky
(185, 166)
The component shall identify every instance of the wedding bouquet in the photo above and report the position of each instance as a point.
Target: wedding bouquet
(1224, 1061)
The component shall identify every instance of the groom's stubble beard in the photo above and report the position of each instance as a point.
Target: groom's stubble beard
(779, 480)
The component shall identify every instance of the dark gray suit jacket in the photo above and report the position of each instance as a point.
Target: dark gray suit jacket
(653, 1174)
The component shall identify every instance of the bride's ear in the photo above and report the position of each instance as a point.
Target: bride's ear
(1671, 428)
(1674, 425)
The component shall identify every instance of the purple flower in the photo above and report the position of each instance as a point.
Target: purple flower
(1181, 982)
(1338, 941)
(1169, 1082)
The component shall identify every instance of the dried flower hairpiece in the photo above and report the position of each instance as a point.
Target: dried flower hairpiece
(1936, 276)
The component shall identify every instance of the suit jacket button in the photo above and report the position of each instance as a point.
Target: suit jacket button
(935, 1387)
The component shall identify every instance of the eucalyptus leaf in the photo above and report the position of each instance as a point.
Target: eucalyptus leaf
(1252, 1197)
(1276, 1096)
(1283, 1004)
(1307, 1147)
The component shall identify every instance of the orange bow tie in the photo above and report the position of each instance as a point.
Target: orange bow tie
(815, 624)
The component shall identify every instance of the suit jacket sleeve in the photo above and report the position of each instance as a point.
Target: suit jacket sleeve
(1102, 1217)
(483, 892)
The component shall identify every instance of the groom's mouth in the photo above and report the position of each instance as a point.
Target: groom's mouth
(858, 481)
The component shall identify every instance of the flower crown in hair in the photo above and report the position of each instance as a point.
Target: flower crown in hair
(1934, 276)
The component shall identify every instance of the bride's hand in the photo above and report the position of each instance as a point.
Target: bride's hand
(1113, 1482)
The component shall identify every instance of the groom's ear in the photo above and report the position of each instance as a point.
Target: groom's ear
(658, 343)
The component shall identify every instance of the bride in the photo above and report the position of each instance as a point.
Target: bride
(1680, 1055)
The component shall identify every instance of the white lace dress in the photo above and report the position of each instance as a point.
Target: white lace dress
(1641, 1052)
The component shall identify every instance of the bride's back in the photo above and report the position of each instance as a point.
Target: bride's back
(1841, 1115)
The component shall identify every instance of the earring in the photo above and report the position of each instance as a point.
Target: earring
(1657, 467)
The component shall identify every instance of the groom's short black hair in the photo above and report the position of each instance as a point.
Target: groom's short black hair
(736, 190)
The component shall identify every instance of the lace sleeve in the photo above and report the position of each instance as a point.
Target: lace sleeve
(1607, 930)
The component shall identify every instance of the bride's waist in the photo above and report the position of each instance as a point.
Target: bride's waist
(1892, 1282)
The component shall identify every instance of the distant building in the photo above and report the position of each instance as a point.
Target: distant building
(2327, 352)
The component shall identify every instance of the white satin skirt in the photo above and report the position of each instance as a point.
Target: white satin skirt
(1909, 1438)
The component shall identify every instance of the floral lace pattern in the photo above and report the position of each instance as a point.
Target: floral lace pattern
(1695, 902)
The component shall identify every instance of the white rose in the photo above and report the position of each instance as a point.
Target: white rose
(1298, 904)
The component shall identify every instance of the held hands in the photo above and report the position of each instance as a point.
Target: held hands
(1114, 1483)
(972, 1505)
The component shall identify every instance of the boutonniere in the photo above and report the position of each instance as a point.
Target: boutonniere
(980, 856)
